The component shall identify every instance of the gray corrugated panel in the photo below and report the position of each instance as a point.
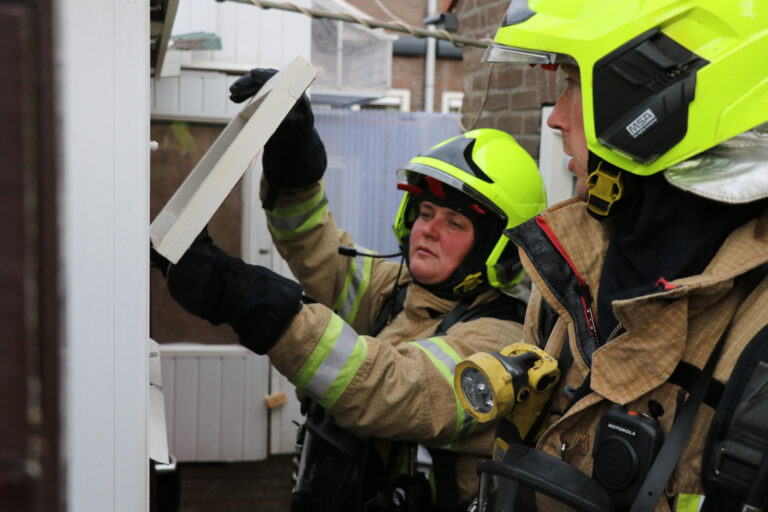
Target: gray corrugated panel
(365, 148)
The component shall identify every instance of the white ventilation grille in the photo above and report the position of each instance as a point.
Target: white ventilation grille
(214, 402)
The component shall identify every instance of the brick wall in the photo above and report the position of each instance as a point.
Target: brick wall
(408, 73)
(515, 94)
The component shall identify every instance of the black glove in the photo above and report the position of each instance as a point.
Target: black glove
(294, 156)
(207, 282)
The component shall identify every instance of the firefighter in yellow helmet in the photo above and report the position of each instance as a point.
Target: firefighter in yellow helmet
(374, 347)
(652, 295)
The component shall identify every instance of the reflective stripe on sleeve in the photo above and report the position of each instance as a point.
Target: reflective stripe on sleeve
(332, 365)
(689, 502)
(355, 284)
(291, 221)
(445, 359)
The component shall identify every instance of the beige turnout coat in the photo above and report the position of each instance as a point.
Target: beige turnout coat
(683, 320)
(399, 384)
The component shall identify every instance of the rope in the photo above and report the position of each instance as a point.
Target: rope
(395, 26)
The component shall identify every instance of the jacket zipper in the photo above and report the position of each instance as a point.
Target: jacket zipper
(583, 289)
(616, 332)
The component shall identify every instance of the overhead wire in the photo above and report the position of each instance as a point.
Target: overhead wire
(396, 25)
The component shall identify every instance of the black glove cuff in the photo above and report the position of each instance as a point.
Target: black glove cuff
(258, 303)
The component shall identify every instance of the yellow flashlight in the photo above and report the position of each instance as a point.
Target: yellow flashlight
(493, 385)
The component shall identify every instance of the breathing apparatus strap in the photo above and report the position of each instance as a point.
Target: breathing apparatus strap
(394, 304)
(670, 452)
(454, 316)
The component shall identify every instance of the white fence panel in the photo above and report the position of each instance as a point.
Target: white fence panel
(214, 399)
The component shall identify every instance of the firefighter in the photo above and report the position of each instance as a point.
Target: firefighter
(654, 276)
(373, 344)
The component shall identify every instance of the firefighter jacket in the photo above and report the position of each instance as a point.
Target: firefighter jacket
(397, 385)
(562, 251)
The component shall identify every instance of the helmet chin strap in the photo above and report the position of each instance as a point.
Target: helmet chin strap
(606, 186)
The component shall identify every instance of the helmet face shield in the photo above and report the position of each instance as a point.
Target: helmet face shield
(498, 53)
(415, 169)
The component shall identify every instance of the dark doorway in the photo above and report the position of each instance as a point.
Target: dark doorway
(29, 255)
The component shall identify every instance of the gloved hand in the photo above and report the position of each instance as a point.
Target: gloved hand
(294, 156)
(208, 283)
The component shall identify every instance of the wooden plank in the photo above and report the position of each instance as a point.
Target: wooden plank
(213, 178)
(169, 350)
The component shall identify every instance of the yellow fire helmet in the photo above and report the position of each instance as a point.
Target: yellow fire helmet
(487, 176)
(661, 80)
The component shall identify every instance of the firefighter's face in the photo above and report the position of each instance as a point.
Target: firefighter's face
(440, 239)
(567, 117)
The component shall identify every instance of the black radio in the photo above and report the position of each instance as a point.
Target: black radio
(626, 443)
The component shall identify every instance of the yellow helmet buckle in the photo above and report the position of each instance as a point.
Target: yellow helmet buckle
(605, 188)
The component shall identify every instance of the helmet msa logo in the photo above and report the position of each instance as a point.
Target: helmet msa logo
(641, 123)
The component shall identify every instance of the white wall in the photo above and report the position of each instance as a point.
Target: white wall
(103, 74)
(553, 163)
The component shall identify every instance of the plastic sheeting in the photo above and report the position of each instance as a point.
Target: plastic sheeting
(365, 148)
(351, 58)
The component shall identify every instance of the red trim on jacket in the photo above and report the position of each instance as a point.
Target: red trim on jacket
(584, 292)
(664, 284)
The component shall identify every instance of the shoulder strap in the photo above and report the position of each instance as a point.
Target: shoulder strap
(670, 452)
(391, 308)
(503, 308)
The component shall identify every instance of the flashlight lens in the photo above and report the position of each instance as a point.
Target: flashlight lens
(477, 390)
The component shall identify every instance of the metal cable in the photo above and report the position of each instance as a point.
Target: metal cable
(395, 26)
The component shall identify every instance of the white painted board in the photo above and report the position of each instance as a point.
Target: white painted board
(212, 179)
(102, 186)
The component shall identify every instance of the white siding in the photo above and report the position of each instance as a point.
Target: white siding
(103, 79)
(250, 37)
(215, 402)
